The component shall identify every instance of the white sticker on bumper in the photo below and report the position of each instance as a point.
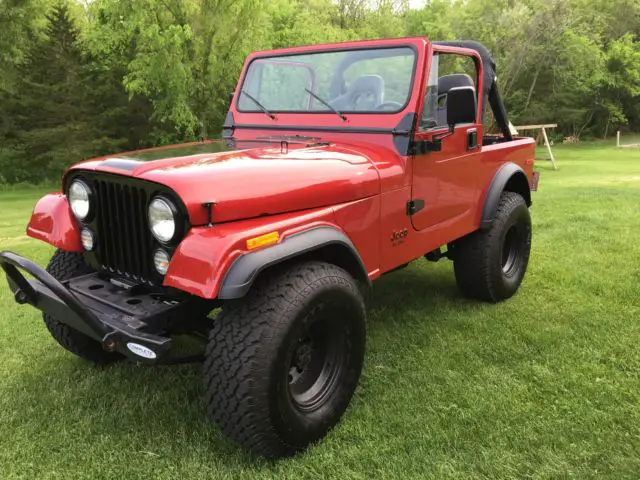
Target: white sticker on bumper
(141, 350)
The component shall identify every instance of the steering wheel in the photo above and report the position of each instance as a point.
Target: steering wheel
(383, 105)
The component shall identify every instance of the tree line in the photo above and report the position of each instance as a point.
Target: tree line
(84, 79)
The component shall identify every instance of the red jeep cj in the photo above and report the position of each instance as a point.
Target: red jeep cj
(338, 164)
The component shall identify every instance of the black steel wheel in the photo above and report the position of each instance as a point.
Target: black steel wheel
(490, 265)
(316, 361)
(512, 249)
(282, 364)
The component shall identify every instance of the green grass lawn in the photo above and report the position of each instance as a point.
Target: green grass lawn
(545, 385)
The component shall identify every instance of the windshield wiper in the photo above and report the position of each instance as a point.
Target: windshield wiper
(262, 107)
(326, 104)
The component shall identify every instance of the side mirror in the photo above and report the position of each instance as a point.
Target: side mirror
(462, 105)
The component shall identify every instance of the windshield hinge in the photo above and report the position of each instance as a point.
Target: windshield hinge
(228, 127)
(420, 147)
(209, 207)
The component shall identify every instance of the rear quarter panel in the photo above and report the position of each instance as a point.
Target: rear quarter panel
(520, 151)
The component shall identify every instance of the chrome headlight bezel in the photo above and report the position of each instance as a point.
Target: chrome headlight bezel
(82, 192)
(160, 206)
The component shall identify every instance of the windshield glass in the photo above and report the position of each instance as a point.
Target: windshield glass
(373, 80)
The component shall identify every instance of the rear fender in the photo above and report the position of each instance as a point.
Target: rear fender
(509, 177)
(53, 223)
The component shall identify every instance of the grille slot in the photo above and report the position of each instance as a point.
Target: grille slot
(125, 243)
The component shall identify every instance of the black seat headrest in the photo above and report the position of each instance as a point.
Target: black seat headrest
(447, 82)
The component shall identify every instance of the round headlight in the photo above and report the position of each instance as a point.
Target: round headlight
(162, 219)
(79, 199)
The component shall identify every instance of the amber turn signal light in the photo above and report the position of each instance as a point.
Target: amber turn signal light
(263, 240)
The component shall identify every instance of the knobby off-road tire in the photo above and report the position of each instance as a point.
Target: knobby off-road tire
(490, 265)
(282, 364)
(63, 266)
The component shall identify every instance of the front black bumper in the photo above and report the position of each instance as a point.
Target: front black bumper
(133, 323)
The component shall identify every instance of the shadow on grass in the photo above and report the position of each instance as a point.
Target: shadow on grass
(152, 406)
(422, 287)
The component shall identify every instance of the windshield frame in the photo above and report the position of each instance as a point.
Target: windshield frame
(276, 55)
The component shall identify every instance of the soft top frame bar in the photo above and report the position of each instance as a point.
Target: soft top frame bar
(490, 87)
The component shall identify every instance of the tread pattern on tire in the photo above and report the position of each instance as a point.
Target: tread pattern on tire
(473, 254)
(241, 342)
(63, 266)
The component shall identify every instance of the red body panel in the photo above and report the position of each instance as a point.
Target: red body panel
(357, 183)
(52, 222)
(203, 257)
(262, 181)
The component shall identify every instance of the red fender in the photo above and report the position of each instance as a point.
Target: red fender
(202, 259)
(53, 223)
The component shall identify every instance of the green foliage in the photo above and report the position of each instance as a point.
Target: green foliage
(81, 79)
(185, 55)
(55, 120)
(51, 109)
(20, 22)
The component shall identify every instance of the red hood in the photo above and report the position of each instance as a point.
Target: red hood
(254, 182)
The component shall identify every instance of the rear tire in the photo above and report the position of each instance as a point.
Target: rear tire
(282, 363)
(490, 264)
(64, 266)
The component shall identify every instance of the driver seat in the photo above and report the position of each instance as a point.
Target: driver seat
(365, 93)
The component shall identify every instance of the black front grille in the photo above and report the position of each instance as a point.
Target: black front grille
(124, 242)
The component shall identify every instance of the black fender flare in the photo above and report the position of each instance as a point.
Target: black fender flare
(246, 268)
(509, 177)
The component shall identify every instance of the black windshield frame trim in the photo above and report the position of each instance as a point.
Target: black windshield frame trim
(311, 128)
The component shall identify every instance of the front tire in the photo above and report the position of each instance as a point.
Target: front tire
(282, 364)
(64, 266)
(490, 264)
